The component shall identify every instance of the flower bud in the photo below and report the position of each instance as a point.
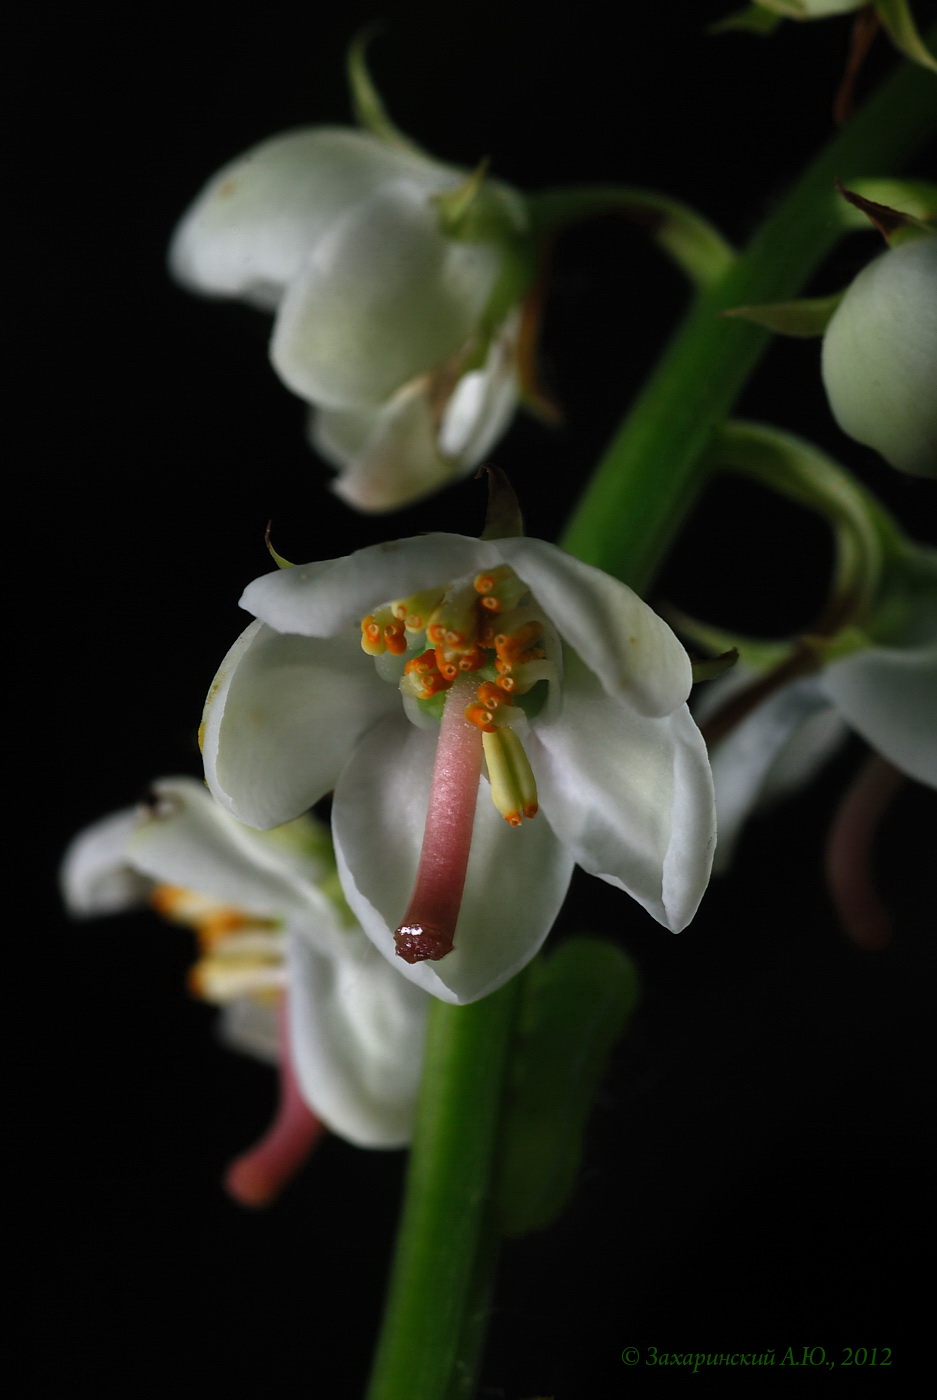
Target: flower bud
(880, 357)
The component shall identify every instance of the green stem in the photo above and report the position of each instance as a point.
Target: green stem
(648, 480)
(429, 1343)
(637, 500)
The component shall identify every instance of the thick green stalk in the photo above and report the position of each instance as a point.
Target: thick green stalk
(647, 482)
(435, 1279)
(634, 506)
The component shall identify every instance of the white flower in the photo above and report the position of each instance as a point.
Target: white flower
(550, 675)
(267, 926)
(880, 357)
(401, 331)
(886, 692)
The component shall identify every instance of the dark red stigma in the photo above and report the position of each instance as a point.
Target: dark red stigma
(422, 942)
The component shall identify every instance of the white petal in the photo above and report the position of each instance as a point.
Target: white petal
(325, 599)
(252, 228)
(389, 453)
(632, 651)
(357, 1033)
(880, 357)
(515, 884)
(483, 402)
(630, 795)
(779, 745)
(96, 877)
(382, 298)
(252, 1027)
(281, 718)
(889, 696)
(186, 839)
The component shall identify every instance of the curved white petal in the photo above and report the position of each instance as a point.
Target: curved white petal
(382, 298)
(780, 744)
(631, 650)
(282, 716)
(515, 884)
(389, 454)
(95, 876)
(889, 696)
(357, 1031)
(184, 838)
(629, 794)
(251, 229)
(323, 600)
(880, 357)
(484, 401)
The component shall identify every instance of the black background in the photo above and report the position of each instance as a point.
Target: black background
(753, 1172)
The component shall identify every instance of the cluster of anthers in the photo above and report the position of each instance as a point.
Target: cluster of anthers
(241, 955)
(470, 656)
(488, 631)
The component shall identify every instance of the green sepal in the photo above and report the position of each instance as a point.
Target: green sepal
(895, 225)
(458, 208)
(366, 103)
(698, 249)
(575, 1004)
(915, 199)
(758, 653)
(278, 559)
(807, 316)
(713, 666)
(755, 19)
(897, 19)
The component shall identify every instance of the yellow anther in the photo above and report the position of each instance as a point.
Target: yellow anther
(513, 786)
(414, 612)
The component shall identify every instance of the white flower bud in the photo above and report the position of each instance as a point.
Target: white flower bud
(880, 357)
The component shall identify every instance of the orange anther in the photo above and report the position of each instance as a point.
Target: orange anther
(479, 716)
(491, 695)
(394, 639)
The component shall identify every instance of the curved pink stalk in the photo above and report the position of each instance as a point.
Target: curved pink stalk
(428, 927)
(849, 853)
(260, 1174)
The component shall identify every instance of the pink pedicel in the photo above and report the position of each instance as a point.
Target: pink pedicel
(849, 853)
(259, 1175)
(427, 929)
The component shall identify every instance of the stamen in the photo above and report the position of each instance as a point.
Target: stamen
(428, 927)
(513, 786)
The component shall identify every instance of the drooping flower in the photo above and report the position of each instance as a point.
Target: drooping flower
(880, 356)
(395, 281)
(522, 712)
(883, 687)
(274, 944)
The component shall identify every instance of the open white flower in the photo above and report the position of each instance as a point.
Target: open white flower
(505, 655)
(267, 926)
(395, 299)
